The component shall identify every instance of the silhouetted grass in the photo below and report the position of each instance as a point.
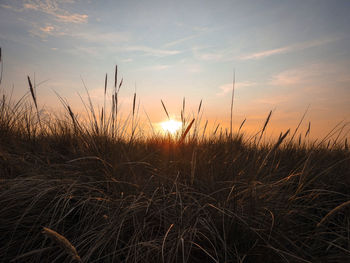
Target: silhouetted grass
(100, 191)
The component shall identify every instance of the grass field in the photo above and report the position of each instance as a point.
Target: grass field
(100, 191)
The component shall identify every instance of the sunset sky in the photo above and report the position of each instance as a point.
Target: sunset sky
(287, 55)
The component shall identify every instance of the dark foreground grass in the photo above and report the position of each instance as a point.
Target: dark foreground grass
(75, 193)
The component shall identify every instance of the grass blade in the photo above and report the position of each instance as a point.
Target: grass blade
(62, 242)
(186, 131)
(167, 114)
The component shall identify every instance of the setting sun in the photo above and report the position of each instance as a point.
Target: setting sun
(171, 126)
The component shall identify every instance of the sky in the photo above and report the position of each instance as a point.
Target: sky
(288, 56)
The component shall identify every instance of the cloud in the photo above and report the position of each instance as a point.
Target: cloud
(288, 49)
(276, 99)
(47, 29)
(94, 36)
(228, 54)
(199, 32)
(289, 77)
(207, 56)
(5, 6)
(43, 32)
(151, 51)
(315, 81)
(72, 18)
(180, 40)
(321, 84)
(266, 53)
(156, 68)
(30, 6)
(98, 49)
(227, 88)
(91, 51)
(52, 8)
(194, 68)
(313, 74)
(13, 8)
(127, 60)
(213, 54)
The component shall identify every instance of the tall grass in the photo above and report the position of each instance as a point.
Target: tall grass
(100, 191)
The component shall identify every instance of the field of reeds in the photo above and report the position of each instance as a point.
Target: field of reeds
(99, 190)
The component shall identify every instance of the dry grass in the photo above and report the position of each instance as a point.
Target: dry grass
(62, 242)
(112, 195)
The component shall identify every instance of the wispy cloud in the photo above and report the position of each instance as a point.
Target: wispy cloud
(324, 84)
(156, 68)
(199, 32)
(47, 29)
(194, 68)
(152, 51)
(11, 7)
(52, 8)
(288, 49)
(202, 53)
(91, 36)
(314, 75)
(266, 53)
(229, 54)
(72, 18)
(42, 31)
(306, 75)
(215, 54)
(96, 50)
(127, 60)
(275, 99)
(227, 88)
(180, 40)
(289, 77)
(94, 36)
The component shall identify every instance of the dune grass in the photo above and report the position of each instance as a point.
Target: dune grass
(101, 191)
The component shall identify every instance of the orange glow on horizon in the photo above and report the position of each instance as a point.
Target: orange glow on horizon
(171, 126)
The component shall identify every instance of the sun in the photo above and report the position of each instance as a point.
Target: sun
(171, 126)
